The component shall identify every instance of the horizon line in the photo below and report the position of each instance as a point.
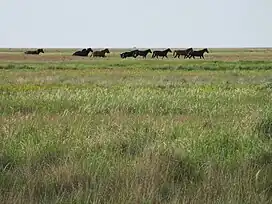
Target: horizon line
(234, 47)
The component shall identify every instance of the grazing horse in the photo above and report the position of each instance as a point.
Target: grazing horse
(143, 53)
(185, 53)
(36, 52)
(133, 53)
(83, 53)
(198, 53)
(101, 53)
(161, 53)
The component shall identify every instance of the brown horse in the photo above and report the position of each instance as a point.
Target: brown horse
(143, 53)
(178, 53)
(101, 53)
(83, 53)
(162, 54)
(133, 53)
(198, 53)
(36, 52)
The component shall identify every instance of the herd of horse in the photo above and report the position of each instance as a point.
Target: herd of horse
(187, 53)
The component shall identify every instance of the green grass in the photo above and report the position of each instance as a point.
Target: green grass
(136, 131)
(140, 64)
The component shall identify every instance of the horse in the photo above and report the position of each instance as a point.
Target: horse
(101, 53)
(133, 53)
(83, 53)
(77, 53)
(143, 53)
(161, 53)
(198, 53)
(36, 52)
(185, 53)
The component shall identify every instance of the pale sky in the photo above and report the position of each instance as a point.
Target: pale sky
(139, 23)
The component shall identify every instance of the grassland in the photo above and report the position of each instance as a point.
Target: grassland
(81, 130)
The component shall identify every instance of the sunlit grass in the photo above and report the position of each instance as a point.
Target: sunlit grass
(135, 133)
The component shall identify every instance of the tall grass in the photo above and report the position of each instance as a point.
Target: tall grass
(115, 63)
(145, 140)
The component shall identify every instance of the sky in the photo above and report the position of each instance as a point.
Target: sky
(135, 23)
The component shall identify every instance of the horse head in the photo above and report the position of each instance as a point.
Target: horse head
(40, 50)
(106, 50)
(89, 50)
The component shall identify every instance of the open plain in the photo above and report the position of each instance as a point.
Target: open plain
(111, 130)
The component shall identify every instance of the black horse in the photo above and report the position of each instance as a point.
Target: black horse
(161, 53)
(143, 53)
(133, 53)
(185, 53)
(101, 53)
(36, 52)
(198, 53)
(83, 53)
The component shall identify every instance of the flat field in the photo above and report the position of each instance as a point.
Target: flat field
(84, 130)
